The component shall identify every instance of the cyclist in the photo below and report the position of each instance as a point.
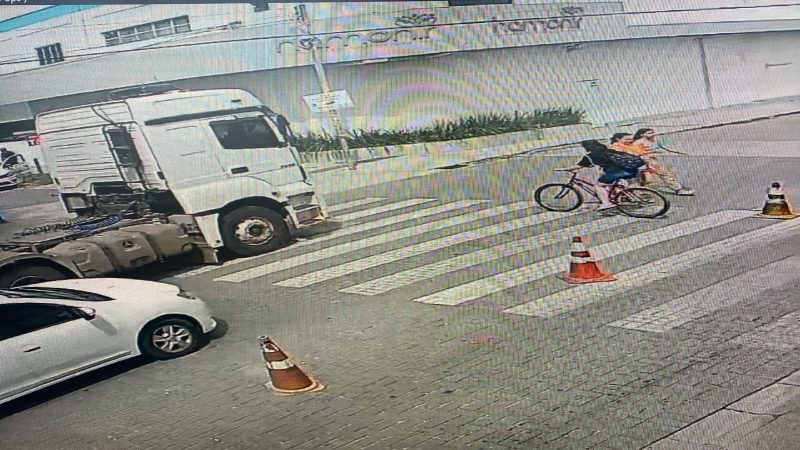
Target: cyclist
(623, 142)
(646, 140)
(616, 166)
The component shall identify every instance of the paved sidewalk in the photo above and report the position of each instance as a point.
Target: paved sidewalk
(341, 178)
(766, 419)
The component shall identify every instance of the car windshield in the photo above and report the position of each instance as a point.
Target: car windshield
(51, 292)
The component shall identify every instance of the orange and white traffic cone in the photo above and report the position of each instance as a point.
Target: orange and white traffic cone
(777, 205)
(286, 378)
(583, 268)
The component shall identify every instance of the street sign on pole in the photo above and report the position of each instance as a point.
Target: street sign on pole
(328, 101)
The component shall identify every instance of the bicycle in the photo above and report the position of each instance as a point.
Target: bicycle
(639, 202)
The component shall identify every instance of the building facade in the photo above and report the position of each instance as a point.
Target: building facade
(406, 64)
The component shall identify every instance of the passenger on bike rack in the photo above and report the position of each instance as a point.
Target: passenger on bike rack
(616, 166)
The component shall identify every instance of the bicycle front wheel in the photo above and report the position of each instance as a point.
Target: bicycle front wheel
(558, 197)
(641, 203)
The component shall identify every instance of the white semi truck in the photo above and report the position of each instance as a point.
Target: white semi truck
(155, 172)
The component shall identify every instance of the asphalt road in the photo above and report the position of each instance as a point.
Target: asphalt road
(443, 325)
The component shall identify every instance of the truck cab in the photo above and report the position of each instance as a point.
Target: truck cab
(219, 156)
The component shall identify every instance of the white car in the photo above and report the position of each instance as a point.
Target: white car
(57, 330)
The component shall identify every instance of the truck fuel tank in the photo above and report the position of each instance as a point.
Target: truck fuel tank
(123, 249)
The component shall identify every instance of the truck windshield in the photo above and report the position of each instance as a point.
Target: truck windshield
(250, 132)
(55, 293)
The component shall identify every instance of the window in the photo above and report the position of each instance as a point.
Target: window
(50, 54)
(260, 6)
(18, 319)
(252, 132)
(148, 31)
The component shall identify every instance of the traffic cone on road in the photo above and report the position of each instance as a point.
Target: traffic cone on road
(286, 378)
(777, 205)
(582, 266)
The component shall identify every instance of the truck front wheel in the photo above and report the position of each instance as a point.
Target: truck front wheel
(24, 275)
(253, 230)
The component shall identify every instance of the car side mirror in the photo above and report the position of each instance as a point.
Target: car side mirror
(86, 313)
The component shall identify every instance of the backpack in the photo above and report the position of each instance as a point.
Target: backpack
(625, 160)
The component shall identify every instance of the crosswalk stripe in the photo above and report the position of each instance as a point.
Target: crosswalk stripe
(526, 274)
(382, 209)
(713, 298)
(338, 250)
(577, 297)
(348, 230)
(347, 205)
(366, 226)
(435, 269)
(204, 269)
(341, 270)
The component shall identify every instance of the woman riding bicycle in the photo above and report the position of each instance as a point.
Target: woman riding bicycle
(616, 166)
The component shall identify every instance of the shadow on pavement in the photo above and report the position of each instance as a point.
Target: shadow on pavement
(86, 380)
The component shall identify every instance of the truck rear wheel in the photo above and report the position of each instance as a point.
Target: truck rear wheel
(23, 275)
(253, 230)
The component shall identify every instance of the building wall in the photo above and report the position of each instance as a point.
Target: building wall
(595, 77)
(80, 33)
(413, 92)
(744, 68)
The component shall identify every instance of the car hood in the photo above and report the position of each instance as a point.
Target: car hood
(116, 288)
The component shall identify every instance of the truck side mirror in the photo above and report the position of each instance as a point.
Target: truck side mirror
(284, 126)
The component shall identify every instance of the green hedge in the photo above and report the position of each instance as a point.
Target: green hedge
(462, 128)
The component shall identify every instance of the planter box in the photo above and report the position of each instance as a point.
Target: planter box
(464, 149)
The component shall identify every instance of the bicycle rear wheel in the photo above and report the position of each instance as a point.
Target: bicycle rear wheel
(558, 197)
(641, 203)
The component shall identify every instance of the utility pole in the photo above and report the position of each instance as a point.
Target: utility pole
(304, 25)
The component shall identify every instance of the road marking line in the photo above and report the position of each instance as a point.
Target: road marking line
(382, 209)
(699, 303)
(369, 262)
(348, 230)
(411, 276)
(526, 274)
(366, 226)
(580, 296)
(347, 247)
(364, 201)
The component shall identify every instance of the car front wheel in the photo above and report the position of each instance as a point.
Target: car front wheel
(169, 338)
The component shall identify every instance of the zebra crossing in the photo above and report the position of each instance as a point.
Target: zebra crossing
(539, 270)
(435, 226)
